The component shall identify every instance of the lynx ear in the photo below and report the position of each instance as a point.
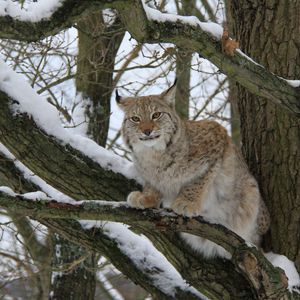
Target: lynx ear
(120, 101)
(169, 94)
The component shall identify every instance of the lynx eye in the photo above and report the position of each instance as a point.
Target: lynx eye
(135, 119)
(156, 115)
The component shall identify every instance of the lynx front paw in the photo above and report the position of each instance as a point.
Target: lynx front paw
(141, 200)
(186, 207)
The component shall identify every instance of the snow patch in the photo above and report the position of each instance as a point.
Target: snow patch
(248, 57)
(214, 29)
(29, 175)
(293, 83)
(144, 255)
(287, 265)
(31, 11)
(7, 190)
(38, 195)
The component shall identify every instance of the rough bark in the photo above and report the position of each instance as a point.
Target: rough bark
(269, 32)
(183, 74)
(183, 69)
(74, 273)
(98, 44)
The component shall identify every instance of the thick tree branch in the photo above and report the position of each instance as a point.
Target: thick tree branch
(59, 165)
(96, 240)
(64, 17)
(238, 67)
(265, 279)
(40, 253)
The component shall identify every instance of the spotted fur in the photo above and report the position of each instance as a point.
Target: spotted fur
(193, 168)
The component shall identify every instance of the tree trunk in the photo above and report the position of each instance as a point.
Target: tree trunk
(98, 44)
(183, 74)
(269, 32)
(74, 271)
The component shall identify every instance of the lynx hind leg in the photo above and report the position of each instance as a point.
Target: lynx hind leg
(247, 213)
(146, 199)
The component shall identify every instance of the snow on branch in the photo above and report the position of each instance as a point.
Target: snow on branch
(33, 11)
(47, 118)
(145, 273)
(214, 29)
(30, 129)
(40, 19)
(145, 256)
(248, 260)
(188, 33)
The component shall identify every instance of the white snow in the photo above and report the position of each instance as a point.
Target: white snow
(214, 29)
(31, 196)
(7, 190)
(109, 287)
(248, 57)
(287, 265)
(144, 255)
(46, 188)
(293, 83)
(47, 118)
(38, 195)
(31, 11)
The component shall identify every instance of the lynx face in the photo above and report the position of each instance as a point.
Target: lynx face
(149, 121)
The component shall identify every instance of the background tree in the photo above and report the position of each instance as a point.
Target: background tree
(260, 279)
(271, 144)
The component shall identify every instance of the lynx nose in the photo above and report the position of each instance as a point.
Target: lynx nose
(147, 131)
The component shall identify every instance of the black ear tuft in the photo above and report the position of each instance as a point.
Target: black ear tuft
(169, 94)
(118, 97)
(172, 86)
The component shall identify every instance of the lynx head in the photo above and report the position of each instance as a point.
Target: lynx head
(149, 121)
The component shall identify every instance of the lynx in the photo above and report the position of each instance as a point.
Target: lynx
(191, 167)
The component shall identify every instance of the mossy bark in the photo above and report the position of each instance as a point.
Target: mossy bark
(269, 32)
